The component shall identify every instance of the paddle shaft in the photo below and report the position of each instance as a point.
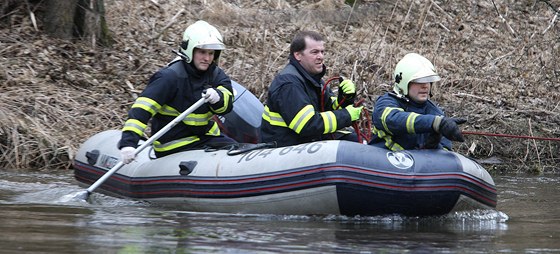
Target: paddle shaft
(148, 142)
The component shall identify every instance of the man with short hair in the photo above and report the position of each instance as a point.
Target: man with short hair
(193, 75)
(298, 108)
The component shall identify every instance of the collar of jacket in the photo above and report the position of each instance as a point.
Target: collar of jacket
(316, 80)
(406, 99)
(198, 74)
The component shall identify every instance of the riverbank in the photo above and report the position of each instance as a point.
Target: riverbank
(499, 68)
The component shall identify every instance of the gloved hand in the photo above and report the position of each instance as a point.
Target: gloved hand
(347, 87)
(433, 140)
(211, 96)
(127, 154)
(354, 112)
(449, 127)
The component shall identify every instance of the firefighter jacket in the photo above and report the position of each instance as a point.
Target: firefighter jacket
(294, 112)
(402, 124)
(171, 91)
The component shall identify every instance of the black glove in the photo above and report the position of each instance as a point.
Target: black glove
(433, 140)
(449, 127)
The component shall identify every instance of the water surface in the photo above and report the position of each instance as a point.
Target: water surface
(36, 219)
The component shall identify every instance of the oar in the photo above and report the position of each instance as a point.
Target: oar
(85, 194)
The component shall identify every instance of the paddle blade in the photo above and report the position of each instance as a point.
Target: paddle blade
(78, 196)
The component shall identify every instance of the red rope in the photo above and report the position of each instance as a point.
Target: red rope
(359, 125)
(323, 97)
(363, 125)
(323, 92)
(508, 135)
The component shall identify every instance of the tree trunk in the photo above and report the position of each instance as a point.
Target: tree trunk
(82, 19)
(91, 24)
(59, 18)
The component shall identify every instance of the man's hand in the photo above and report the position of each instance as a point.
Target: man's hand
(347, 87)
(127, 154)
(433, 140)
(211, 96)
(354, 112)
(449, 127)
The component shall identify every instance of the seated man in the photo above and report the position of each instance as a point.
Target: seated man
(191, 76)
(406, 118)
(297, 109)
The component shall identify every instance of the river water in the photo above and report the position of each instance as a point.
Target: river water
(35, 218)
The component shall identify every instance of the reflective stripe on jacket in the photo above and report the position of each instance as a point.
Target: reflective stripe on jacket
(400, 124)
(170, 92)
(293, 114)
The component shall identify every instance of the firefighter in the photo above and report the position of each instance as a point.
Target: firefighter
(192, 75)
(406, 118)
(294, 112)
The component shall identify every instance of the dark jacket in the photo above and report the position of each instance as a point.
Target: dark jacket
(171, 91)
(400, 123)
(294, 113)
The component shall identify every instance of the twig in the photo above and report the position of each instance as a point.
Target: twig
(552, 22)
(141, 66)
(550, 5)
(406, 18)
(6, 49)
(495, 60)
(354, 70)
(348, 20)
(503, 19)
(155, 3)
(32, 16)
(422, 24)
(536, 147)
(555, 107)
(445, 28)
(132, 90)
(474, 96)
(33, 20)
(442, 10)
(173, 19)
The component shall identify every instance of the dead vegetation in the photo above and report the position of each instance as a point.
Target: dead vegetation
(499, 65)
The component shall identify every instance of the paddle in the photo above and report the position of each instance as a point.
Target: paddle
(85, 194)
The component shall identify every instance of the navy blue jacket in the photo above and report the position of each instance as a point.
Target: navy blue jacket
(294, 113)
(402, 124)
(171, 91)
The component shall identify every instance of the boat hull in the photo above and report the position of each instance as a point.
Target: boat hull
(326, 177)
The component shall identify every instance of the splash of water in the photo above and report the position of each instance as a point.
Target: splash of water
(74, 197)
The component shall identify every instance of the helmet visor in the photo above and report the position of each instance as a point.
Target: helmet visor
(214, 46)
(428, 79)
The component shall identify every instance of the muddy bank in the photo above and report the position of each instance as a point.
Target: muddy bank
(499, 66)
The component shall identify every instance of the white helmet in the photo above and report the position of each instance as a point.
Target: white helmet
(201, 35)
(413, 68)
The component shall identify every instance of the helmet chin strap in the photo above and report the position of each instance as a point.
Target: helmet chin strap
(181, 54)
(400, 96)
(430, 93)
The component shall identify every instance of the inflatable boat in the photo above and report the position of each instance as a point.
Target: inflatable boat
(328, 177)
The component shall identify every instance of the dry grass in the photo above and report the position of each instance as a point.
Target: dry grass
(502, 73)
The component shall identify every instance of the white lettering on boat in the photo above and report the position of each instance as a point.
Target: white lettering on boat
(308, 148)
